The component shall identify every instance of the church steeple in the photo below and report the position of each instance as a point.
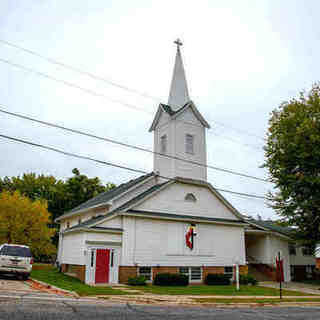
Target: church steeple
(179, 131)
(179, 94)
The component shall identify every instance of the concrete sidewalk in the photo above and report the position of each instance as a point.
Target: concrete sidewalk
(294, 286)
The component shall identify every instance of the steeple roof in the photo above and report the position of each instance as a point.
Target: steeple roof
(179, 94)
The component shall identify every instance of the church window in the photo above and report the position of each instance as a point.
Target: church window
(228, 271)
(193, 273)
(189, 143)
(163, 144)
(146, 272)
(292, 249)
(190, 197)
(307, 251)
(309, 271)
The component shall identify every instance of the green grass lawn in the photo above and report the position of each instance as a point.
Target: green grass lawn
(52, 276)
(218, 290)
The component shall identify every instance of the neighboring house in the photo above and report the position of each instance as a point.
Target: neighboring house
(264, 240)
(152, 224)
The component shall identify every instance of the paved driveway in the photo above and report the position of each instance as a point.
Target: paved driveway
(13, 284)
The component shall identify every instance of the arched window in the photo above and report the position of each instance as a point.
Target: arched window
(190, 197)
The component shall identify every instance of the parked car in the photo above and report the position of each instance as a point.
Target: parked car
(15, 259)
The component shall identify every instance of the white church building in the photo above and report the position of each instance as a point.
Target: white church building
(153, 224)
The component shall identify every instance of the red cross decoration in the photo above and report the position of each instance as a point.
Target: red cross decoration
(190, 237)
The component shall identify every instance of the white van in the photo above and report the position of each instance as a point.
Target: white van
(15, 259)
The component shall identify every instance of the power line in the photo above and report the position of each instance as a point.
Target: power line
(78, 70)
(113, 83)
(236, 141)
(238, 130)
(73, 85)
(70, 154)
(128, 145)
(88, 91)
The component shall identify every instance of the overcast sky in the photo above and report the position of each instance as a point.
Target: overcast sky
(242, 59)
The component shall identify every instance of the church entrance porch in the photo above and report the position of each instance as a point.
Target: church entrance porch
(102, 265)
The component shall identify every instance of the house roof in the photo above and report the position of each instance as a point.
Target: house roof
(270, 225)
(94, 221)
(175, 113)
(126, 207)
(182, 216)
(104, 197)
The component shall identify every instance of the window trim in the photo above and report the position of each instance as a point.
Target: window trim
(292, 250)
(163, 144)
(229, 273)
(189, 274)
(143, 274)
(307, 252)
(189, 144)
(190, 197)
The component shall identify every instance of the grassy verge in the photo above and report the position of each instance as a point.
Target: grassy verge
(52, 276)
(259, 301)
(218, 290)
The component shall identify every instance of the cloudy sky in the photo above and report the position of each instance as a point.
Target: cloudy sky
(242, 59)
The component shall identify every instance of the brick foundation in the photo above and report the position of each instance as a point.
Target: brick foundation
(318, 263)
(156, 270)
(79, 271)
(243, 270)
(207, 270)
(126, 272)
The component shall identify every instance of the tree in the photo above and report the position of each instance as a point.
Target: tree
(60, 195)
(293, 161)
(23, 221)
(80, 188)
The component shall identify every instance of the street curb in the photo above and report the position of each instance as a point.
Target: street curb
(49, 286)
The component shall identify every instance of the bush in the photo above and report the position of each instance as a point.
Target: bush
(248, 279)
(217, 279)
(171, 279)
(137, 281)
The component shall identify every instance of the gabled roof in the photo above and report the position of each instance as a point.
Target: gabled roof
(214, 191)
(271, 226)
(174, 114)
(126, 208)
(105, 197)
(94, 221)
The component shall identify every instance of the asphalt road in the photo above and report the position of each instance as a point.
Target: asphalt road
(69, 310)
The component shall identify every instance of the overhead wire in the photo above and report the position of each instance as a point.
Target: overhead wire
(74, 155)
(110, 82)
(127, 145)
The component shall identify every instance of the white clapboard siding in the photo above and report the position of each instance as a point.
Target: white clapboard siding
(153, 242)
(73, 247)
(115, 222)
(278, 244)
(300, 260)
(172, 200)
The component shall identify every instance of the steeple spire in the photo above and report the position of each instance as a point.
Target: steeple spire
(179, 95)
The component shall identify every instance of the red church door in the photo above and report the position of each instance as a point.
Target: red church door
(102, 265)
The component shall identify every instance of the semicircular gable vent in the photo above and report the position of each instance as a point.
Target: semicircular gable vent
(190, 197)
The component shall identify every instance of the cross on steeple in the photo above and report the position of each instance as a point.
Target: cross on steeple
(178, 43)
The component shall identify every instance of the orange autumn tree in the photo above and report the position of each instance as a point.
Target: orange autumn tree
(23, 221)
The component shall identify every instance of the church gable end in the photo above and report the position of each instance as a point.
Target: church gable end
(176, 199)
